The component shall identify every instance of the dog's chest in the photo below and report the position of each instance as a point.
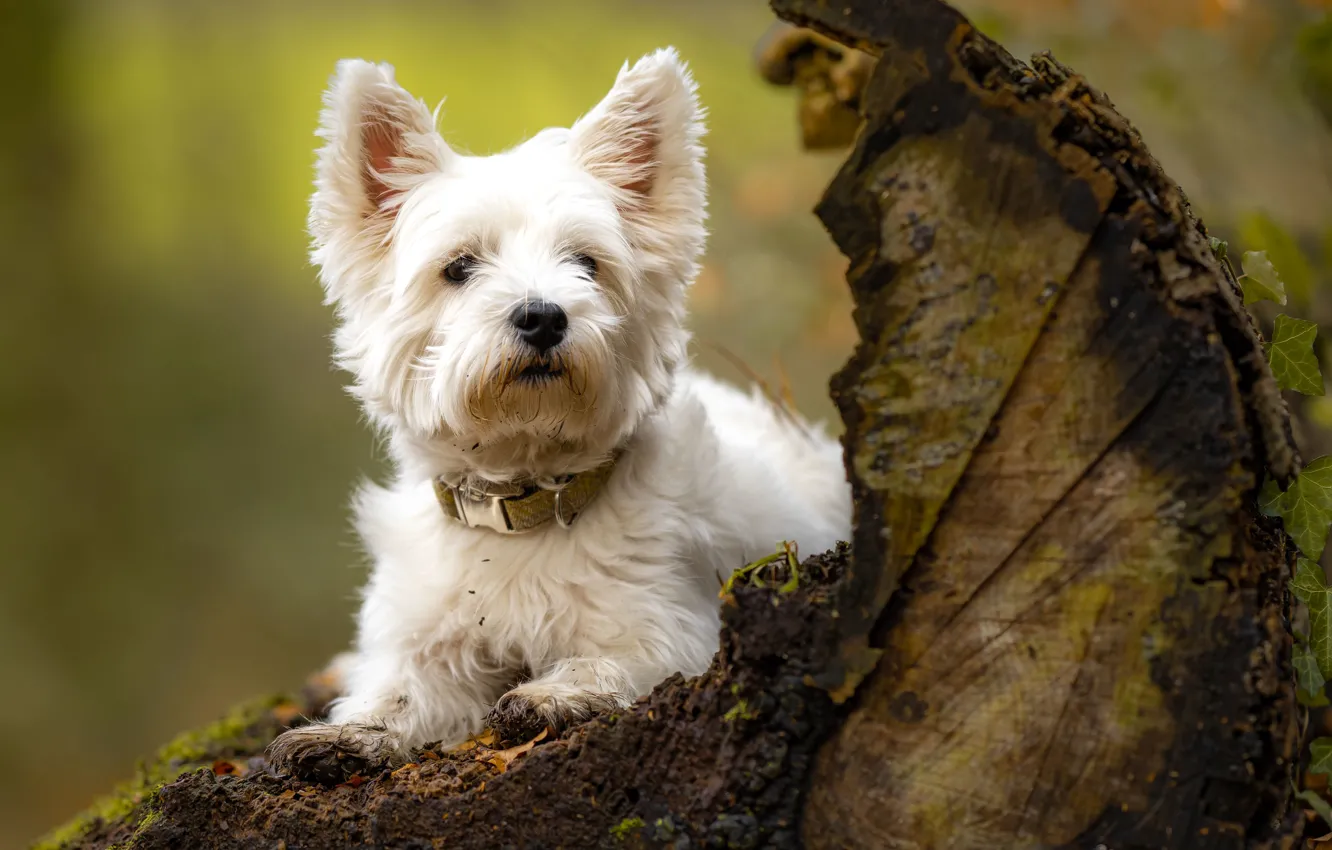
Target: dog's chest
(527, 596)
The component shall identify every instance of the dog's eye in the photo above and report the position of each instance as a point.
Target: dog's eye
(460, 269)
(587, 263)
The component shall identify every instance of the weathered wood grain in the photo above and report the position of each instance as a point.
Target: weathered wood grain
(1064, 628)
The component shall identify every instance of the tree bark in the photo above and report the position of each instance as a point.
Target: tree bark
(1056, 426)
(1060, 623)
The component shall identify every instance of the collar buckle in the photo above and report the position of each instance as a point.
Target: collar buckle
(515, 507)
(478, 508)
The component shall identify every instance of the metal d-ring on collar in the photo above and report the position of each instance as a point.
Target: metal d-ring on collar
(556, 485)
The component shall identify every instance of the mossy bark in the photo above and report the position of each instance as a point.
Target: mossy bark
(1070, 623)
(1060, 623)
(721, 760)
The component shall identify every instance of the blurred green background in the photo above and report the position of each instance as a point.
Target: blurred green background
(175, 451)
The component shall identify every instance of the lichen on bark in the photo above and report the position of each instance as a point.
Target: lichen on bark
(120, 816)
(1057, 421)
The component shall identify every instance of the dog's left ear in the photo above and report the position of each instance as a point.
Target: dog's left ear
(644, 141)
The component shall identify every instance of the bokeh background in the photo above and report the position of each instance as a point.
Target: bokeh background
(175, 451)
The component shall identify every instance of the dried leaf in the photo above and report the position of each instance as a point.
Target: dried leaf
(227, 767)
(1316, 782)
(501, 759)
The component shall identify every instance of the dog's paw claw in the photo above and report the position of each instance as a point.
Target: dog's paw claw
(329, 754)
(515, 718)
(523, 712)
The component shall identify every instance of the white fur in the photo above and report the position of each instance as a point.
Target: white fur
(708, 480)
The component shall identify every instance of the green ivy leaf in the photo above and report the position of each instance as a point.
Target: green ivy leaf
(1320, 755)
(1219, 247)
(1318, 700)
(1317, 803)
(1269, 498)
(1291, 354)
(1306, 508)
(1311, 679)
(1260, 280)
(1261, 232)
(1310, 588)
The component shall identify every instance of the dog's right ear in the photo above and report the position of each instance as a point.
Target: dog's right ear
(379, 142)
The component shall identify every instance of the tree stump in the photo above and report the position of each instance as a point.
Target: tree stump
(1061, 622)
(1057, 421)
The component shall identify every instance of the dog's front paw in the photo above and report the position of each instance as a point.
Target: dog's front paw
(330, 753)
(523, 712)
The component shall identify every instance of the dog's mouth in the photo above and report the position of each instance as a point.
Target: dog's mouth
(539, 373)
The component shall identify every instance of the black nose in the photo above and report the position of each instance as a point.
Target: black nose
(541, 324)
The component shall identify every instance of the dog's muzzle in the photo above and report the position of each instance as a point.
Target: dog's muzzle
(517, 506)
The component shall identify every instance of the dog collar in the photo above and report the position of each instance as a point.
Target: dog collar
(518, 506)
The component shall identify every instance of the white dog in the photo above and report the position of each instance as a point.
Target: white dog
(568, 496)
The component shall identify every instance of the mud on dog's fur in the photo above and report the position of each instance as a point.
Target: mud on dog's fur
(436, 262)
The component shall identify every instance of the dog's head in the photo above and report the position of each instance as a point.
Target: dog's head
(536, 295)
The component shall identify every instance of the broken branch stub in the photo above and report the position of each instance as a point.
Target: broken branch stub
(1064, 621)
(828, 76)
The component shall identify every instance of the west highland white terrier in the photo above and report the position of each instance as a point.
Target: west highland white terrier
(569, 495)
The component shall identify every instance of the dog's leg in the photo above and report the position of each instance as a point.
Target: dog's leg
(389, 708)
(567, 693)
